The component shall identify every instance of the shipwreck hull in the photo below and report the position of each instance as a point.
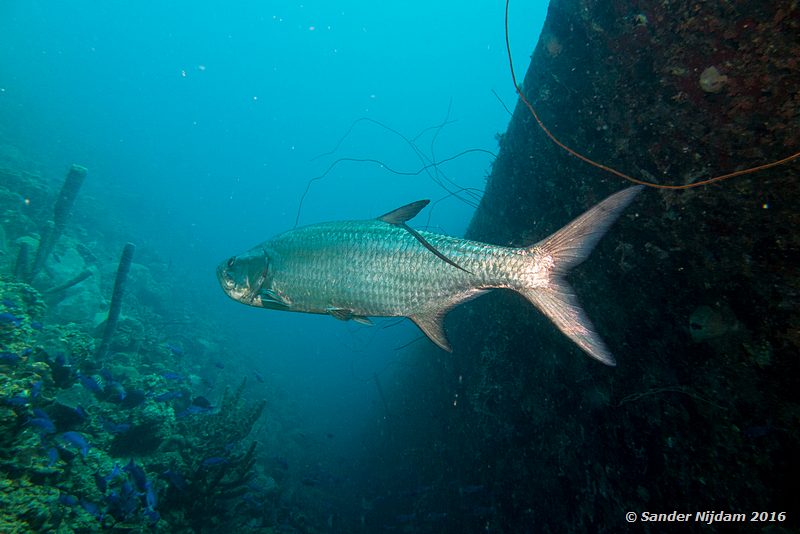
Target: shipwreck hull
(695, 291)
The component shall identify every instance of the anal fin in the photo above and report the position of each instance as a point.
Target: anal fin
(432, 325)
(431, 319)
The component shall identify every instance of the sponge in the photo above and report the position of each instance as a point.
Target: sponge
(61, 211)
(116, 299)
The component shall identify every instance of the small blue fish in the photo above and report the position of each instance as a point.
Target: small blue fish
(8, 303)
(93, 509)
(17, 400)
(9, 358)
(78, 441)
(172, 376)
(123, 503)
(115, 428)
(81, 412)
(44, 424)
(175, 349)
(67, 499)
(103, 481)
(115, 472)
(36, 389)
(168, 396)
(219, 365)
(258, 376)
(36, 325)
(138, 475)
(175, 479)
(52, 456)
(92, 383)
(151, 499)
(106, 374)
(214, 460)
(9, 320)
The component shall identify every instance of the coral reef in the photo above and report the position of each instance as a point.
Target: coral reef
(213, 463)
(68, 420)
(89, 425)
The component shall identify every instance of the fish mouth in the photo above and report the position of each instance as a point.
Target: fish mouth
(226, 280)
(246, 292)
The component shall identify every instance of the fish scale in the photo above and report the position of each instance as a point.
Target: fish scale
(383, 268)
(373, 269)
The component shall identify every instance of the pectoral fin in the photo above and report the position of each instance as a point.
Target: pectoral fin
(271, 299)
(399, 217)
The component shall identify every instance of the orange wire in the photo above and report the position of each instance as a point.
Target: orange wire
(612, 170)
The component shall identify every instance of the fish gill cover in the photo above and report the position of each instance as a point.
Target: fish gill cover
(134, 395)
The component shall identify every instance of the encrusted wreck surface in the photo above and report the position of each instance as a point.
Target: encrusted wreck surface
(696, 291)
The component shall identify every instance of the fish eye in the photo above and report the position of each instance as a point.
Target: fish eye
(231, 262)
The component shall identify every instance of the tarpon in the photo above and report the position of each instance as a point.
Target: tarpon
(353, 270)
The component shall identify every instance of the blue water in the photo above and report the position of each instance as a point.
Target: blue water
(201, 125)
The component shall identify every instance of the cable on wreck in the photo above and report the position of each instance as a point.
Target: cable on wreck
(611, 170)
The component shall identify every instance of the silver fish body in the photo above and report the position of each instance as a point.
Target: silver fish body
(383, 268)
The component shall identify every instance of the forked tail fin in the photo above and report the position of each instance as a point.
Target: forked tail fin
(565, 249)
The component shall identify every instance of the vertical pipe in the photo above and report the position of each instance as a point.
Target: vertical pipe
(23, 258)
(116, 299)
(61, 212)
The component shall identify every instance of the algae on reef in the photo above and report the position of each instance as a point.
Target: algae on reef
(71, 415)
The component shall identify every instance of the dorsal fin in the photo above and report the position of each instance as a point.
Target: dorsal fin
(402, 214)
